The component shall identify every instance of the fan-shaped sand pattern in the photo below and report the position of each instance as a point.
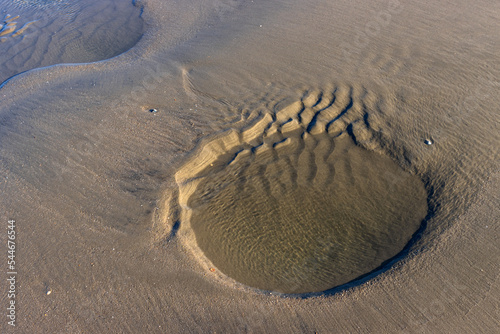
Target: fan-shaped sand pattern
(292, 204)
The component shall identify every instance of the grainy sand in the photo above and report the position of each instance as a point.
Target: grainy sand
(91, 158)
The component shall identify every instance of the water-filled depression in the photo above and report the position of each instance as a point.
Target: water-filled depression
(306, 214)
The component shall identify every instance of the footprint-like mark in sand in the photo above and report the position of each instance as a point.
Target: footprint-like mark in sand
(292, 203)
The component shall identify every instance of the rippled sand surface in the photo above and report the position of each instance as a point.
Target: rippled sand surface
(138, 183)
(43, 33)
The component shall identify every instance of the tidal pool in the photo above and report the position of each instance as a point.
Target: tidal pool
(293, 204)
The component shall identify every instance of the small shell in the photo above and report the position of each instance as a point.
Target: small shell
(428, 142)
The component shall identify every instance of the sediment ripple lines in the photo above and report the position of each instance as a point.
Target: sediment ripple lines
(261, 195)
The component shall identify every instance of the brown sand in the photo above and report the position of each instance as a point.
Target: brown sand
(87, 171)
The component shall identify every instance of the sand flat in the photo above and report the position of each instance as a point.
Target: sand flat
(86, 169)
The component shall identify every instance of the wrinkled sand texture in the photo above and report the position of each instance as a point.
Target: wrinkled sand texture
(43, 33)
(89, 174)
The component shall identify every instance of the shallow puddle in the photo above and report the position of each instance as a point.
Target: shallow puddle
(293, 205)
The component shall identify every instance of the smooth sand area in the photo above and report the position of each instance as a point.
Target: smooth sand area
(93, 162)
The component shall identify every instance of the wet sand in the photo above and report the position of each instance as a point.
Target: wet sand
(91, 156)
(43, 33)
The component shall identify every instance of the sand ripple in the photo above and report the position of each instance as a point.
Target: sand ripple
(43, 33)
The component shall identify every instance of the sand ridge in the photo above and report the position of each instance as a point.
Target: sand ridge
(9, 28)
(318, 113)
